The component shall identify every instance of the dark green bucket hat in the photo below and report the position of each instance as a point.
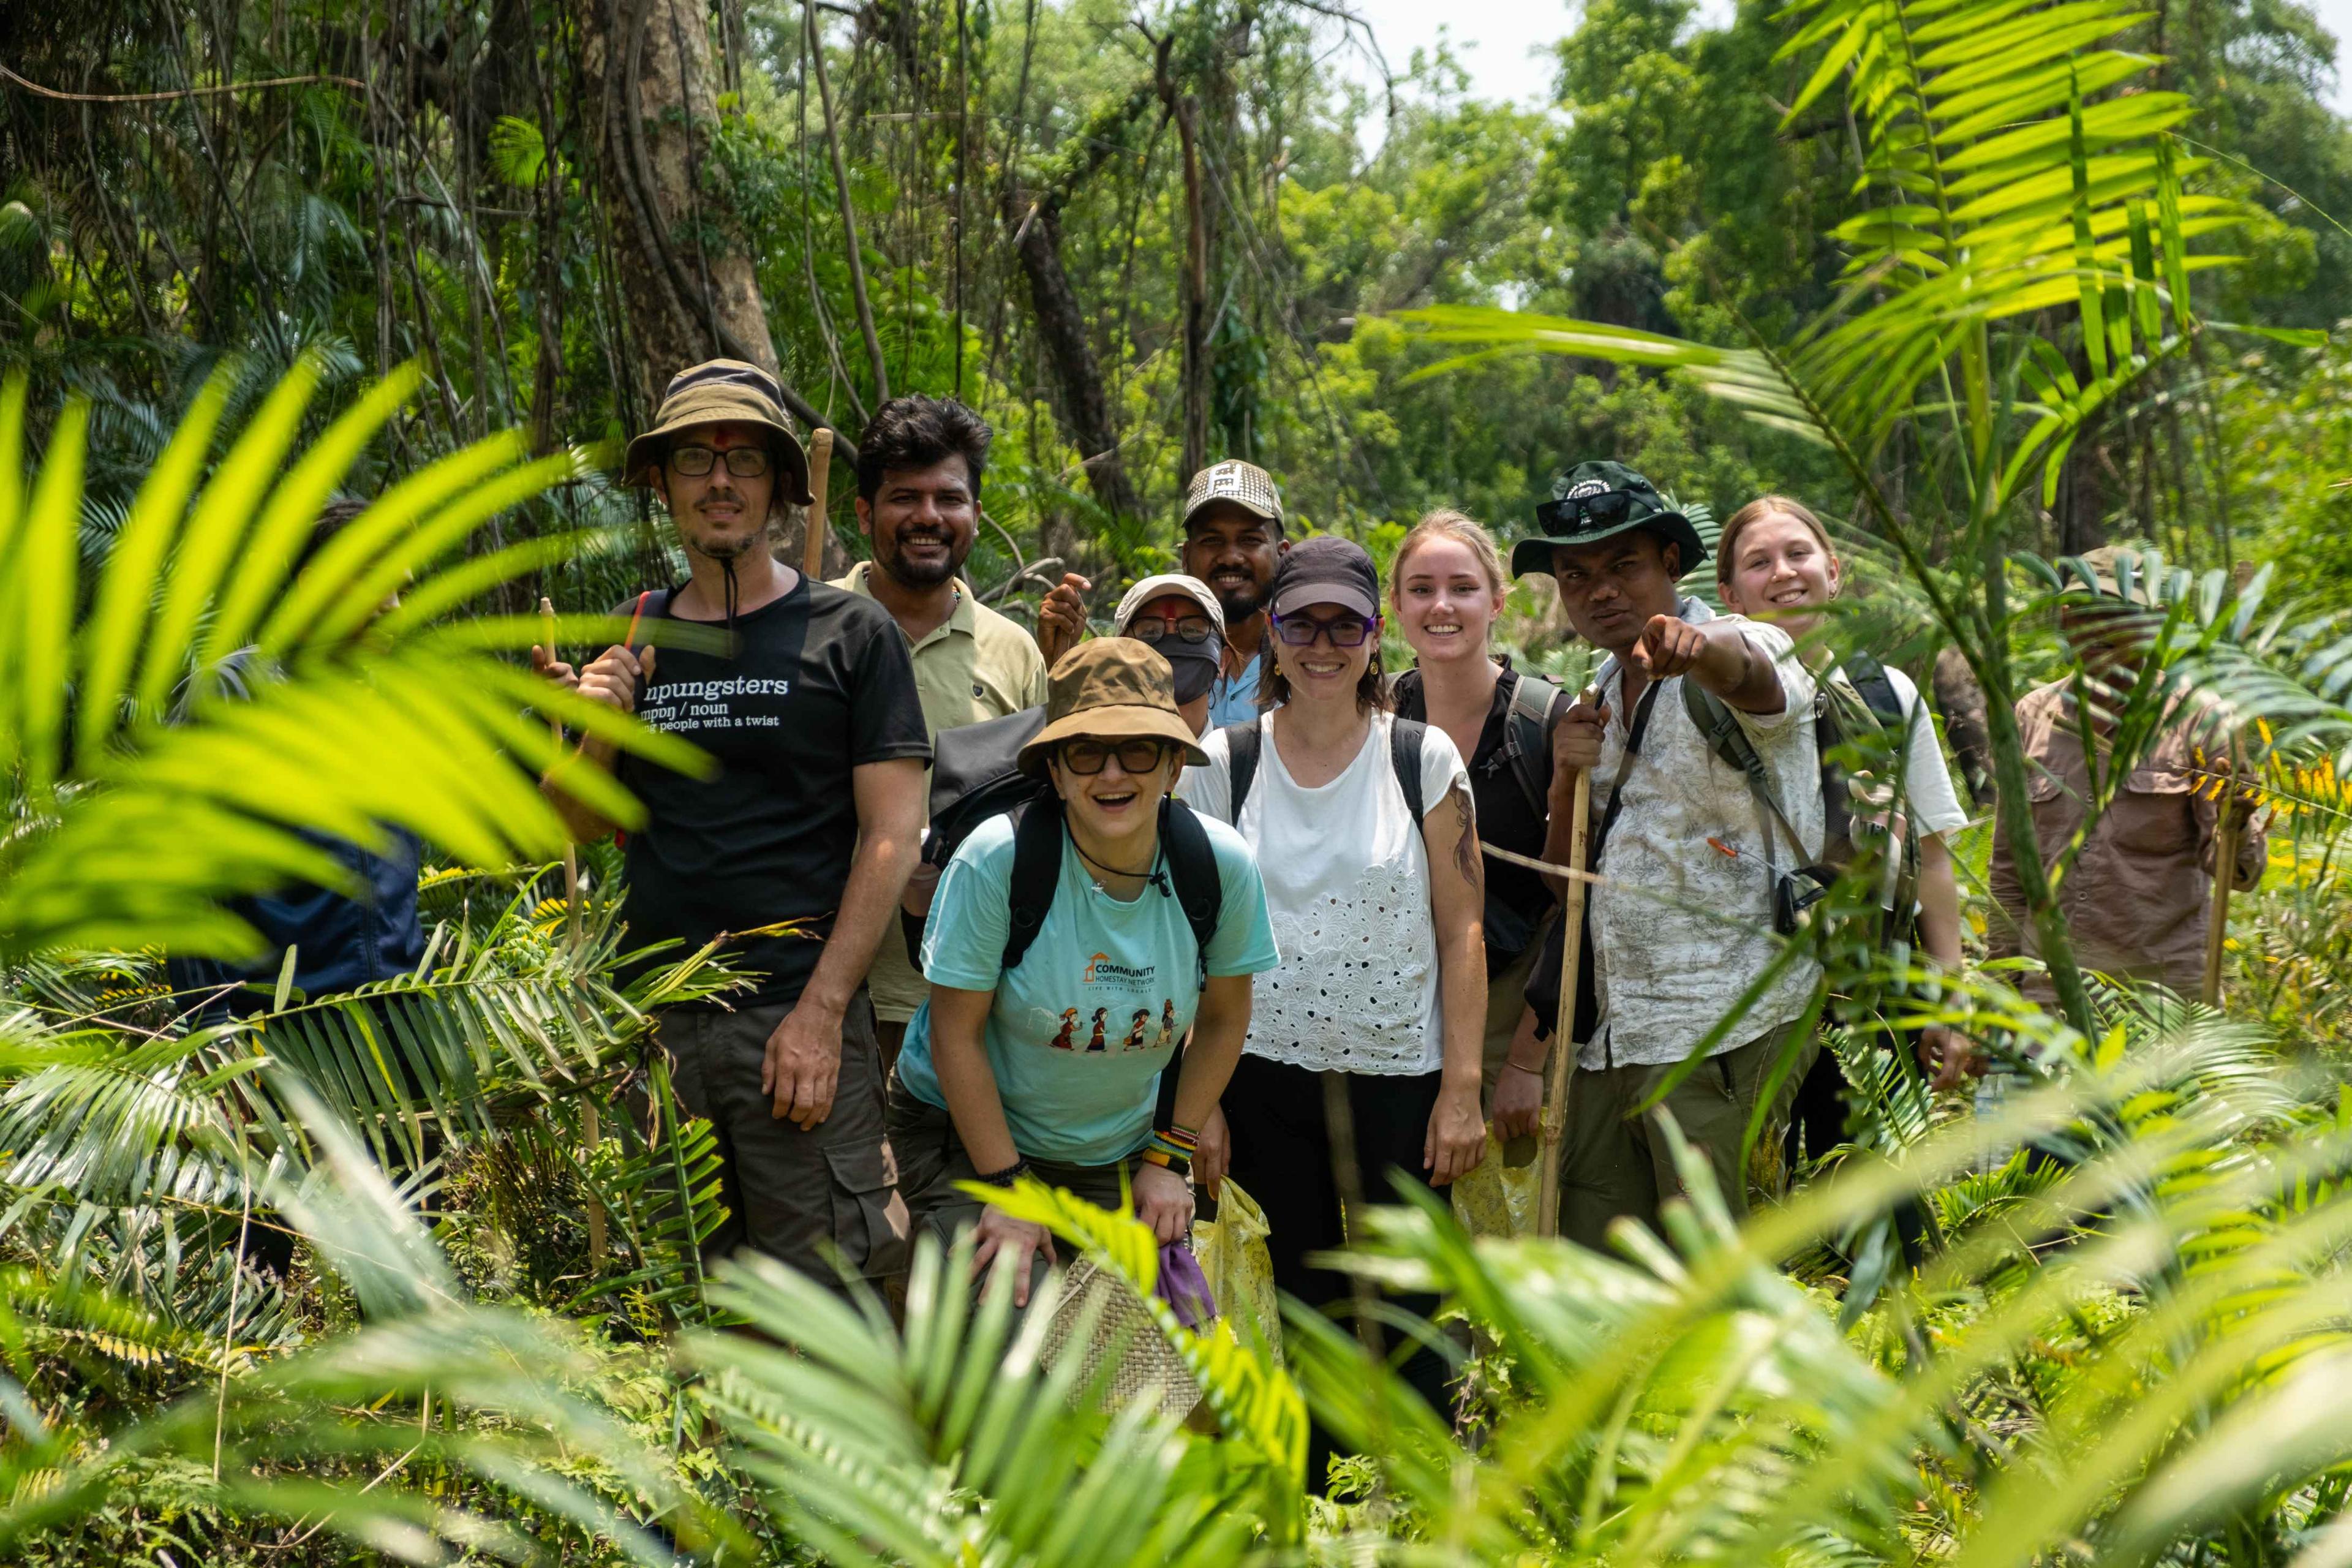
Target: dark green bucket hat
(1601, 500)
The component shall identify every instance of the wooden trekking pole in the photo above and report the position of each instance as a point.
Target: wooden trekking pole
(2225, 876)
(820, 456)
(591, 1132)
(570, 852)
(1563, 1034)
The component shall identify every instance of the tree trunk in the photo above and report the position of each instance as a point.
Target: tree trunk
(687, 285)
(690, 290)
(1196, 368)
(1062, 324)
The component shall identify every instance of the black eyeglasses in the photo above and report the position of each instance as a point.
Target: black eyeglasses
(1088, 758)
(743, 462)
(1605, 509)
(1154, 628)
(1345, 631)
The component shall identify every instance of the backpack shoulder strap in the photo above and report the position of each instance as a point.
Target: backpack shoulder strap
(1527, 738)
(1870, 682)
(1036, 873)
(1192, 867)
(1720, 728)
(1242, 742)
(654, 601)
(1405, 737)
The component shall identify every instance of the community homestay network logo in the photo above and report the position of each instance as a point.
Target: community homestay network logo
(1100, 967)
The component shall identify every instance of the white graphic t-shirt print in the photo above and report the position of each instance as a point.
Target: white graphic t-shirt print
(686, 707)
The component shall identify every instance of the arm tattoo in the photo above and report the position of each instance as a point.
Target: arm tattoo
(1465, 842)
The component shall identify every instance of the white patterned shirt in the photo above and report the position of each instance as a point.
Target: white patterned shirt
(1683, 925)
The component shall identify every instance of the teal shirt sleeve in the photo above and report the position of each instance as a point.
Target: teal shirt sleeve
(1243, 943)
(971, 913)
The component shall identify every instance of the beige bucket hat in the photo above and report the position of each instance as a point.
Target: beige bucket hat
(717, 391)
(1112, 689)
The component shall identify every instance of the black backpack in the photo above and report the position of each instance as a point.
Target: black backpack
(1243, 741)
(1527, 736)
(976, 775)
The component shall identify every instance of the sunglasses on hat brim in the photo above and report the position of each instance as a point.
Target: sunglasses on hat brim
(1577, 513)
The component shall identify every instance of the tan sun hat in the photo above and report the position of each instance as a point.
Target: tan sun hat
(1112, 689)
(2109, 565)
(716, 392)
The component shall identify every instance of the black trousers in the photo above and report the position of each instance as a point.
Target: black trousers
(1282, 1157)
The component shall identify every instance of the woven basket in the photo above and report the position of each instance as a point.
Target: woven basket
(1147, 1365)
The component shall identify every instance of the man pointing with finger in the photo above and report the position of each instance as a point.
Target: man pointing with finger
(1683, 924)
(793, 851)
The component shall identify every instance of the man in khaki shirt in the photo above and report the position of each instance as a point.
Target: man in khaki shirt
(2138, 896)
(920, 461)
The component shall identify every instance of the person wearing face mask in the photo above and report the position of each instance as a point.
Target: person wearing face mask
(1232, 540)
(1041, 1049)
(1180, 620)
(1368, 1036)
(920, 461)
(800, 839)
(1447, 588)
(1774, 563)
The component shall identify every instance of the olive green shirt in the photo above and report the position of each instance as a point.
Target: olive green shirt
(976, 665)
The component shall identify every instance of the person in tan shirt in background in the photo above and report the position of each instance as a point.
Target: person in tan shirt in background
(2137, 900)
(920, 461)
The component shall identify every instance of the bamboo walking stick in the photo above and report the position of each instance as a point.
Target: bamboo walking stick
(571, 851)
(2225, 876)
(1563, 1042)
(591, 1130)
(820, 455)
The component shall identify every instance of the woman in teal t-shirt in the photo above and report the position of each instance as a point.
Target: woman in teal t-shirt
(1052, 1068)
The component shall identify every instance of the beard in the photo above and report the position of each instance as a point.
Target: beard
(925, 574)
(1239, 604)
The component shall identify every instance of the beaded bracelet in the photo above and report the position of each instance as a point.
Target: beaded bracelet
(1006, 1177)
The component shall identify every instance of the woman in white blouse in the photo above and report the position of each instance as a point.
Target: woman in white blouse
(1367, 842)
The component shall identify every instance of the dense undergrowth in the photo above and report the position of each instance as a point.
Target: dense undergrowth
(2099, 1317)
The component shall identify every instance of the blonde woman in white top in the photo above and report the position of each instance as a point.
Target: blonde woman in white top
(1775, 564)
(1379, 1001)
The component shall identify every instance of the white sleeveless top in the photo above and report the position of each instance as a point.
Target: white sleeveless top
(1346, 884)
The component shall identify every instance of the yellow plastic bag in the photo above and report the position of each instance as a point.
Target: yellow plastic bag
(1232, 1250)
(1497, 1199)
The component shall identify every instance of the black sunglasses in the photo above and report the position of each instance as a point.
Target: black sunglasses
(1577, 513)
(1087, 758)
(743, 462)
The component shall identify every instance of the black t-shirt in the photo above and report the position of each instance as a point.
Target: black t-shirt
(820, 683)
(1517, 898)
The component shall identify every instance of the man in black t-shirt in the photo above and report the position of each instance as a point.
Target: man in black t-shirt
(796, 849)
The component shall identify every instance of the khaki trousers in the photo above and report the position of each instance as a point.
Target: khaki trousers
(1616, 1161)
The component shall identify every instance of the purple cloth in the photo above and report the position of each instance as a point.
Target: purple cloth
(1183, 1287)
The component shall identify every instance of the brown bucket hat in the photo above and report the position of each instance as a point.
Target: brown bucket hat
(1112, 689)
(716, 392)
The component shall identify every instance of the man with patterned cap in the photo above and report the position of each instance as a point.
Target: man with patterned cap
(1232, 537)
(791, 851)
